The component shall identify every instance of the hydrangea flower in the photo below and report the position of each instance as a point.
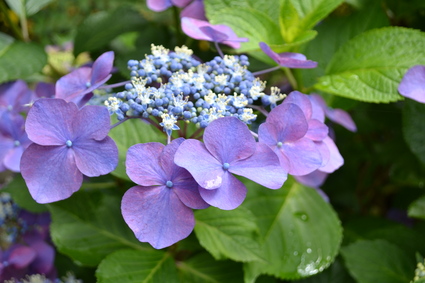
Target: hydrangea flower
(14, 97)
(13, 141)
(229, 147)
(159, 209)
(203, 30)
(413, 84)
(67, 143)
(78, 85)
(288, 59)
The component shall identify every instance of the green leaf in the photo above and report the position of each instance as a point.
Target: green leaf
(334, 32)
(129, 133)
(21, 196)
(414, 128)
(297, 17)
(417, 208)
(228, 234)
(31, 6)
(370, 66)
(5, 41)
(202, 268)
(256, 20)
(299, 230)
(99, 29)
(130, 266)
(88, 226)
(378, 261)
(20, 60)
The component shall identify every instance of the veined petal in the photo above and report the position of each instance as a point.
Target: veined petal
(94, 158)
(335, 159)
(263, 167)
(341, 117)
(228, 139)
(142, 164)
(73, 85)
(302, 101)
(319, 105)
(314, 180)
(49, 121)
(156, 215)
(102, 67)
(303, 156)
(187, 189)
(229, 196)
(50, 172)
(166, 159)
(195, 10)
(205, 169)
(317, 131)
(12, 159)
(92, 122)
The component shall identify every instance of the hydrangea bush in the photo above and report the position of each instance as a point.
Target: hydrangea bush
(213, 141)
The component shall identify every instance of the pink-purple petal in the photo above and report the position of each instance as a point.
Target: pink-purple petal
(229, 139)
(317, 131)
(302, 101)
(335, 158)
(186, 188)
(195, 10)
(263, 167)
(74, 85)
(166, 159)
(205, 169)
(102, 67)
(303, 155)
(142, 164)
(288, 59)
(229, 196)
(50, 172)
(21, 257)
(156, 215)
(314, 180)
(413, 84)
(12, 159)
(158, 5)
(49, 121)
(45, 256)
(98, 127)
(341, 117)
(94, 158)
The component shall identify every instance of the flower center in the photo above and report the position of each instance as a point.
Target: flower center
(9, 107)
(88, 84)
(68, 143)
(279, 144)
(226, 166)
(169, 184)
(16, 143)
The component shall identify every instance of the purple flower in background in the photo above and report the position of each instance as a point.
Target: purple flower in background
(44, 90)
(413, 84)
(14, 97)
(15, 260)
(78, 85)
(13, 141)
(203, 30)
(229, 148)
(159, 210)
(288, 59)
(67, 143)
(162, 5)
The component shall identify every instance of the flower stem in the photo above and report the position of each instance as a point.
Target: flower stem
(218, 49)
(114, 85)
(266, 71)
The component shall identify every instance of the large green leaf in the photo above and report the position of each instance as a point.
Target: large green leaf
(378, 261)
(299, 230)
(20, 60)
(228, 234)
(256, 20)
(334, 32)
(202, 268)
(99, 29)
(297, 17)
(131, 266)
(129, 133)
(88, 226)
(417, 208)
(414, 127)
(21, 196)
(370, 66)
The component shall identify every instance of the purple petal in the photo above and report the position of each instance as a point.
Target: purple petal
(187, 190)
(158, 5)
(181, 3)
(6, 144)
(14, 95)
(156, 215)
(413, 84)
(229, 196)
(302, 101)
(50, 172)
(205, 169)
(45, 256)
(166, 159)
(288, 59)
(341, 117)
(324, 152)
(314, 180)
(142, 164)
(317, 131)
(263, 167)
(102, 67)
(73, 86)
(92, 122)
(44, 90)
(289, 122)
(94, 158)
(12, 159)
(49, 121)
(195, 10)
(318, 105)
(215, 35)
(228, 139)
(303, 155)
(335, 159)
(21, 257)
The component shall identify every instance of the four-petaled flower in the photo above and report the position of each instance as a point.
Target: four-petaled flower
(67, 143)
(159, 209)
(229, 148)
